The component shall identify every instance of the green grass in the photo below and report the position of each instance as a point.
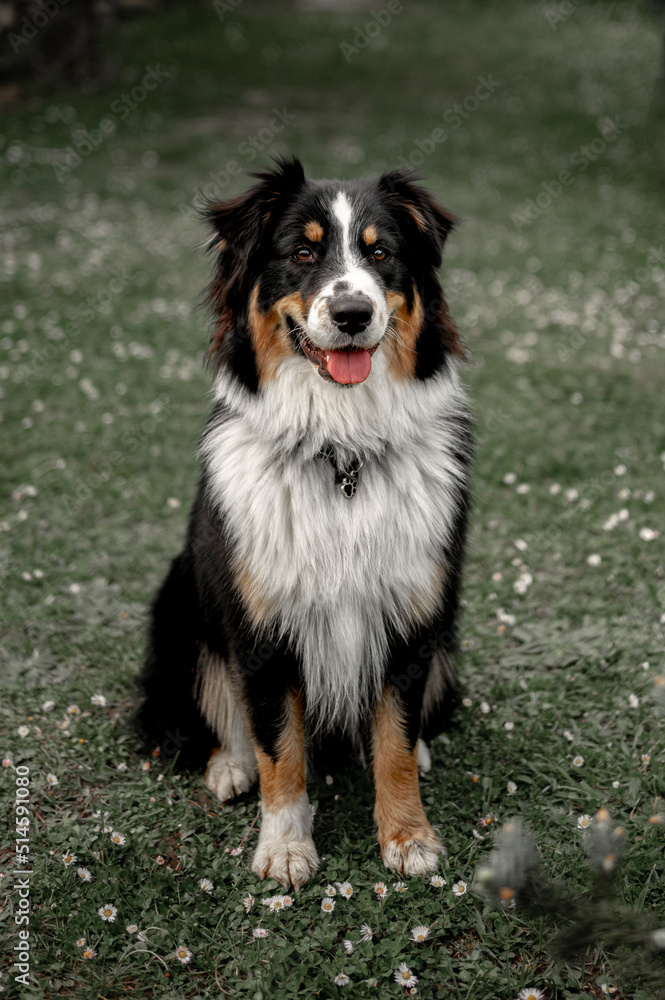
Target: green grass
(103, 395)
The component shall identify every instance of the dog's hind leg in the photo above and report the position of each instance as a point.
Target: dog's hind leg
(169, 714)
(232, 767)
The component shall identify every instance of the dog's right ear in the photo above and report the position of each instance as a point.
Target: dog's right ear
(242, 227)
(239, 223)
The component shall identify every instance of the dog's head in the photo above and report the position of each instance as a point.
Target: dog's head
(329, 272)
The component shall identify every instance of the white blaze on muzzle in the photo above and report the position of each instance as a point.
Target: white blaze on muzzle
(342, 349)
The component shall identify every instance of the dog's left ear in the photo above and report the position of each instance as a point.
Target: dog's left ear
(432, 221)
(426, 225)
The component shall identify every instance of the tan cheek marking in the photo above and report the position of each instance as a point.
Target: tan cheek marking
(407, 325)
(292, 305)
(283, 780)
(269, 339)
(314, 231)
(370, 235)
(398, 811)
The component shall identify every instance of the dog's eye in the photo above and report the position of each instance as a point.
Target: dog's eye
(303, 253)
(378, 253)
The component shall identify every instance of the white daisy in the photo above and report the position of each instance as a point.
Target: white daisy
(52, 780)
(69, 859)
(248, 903)
(366, 933)
(330, 890)
(530, 993)
(578, 761)
(90, 953)
(183, 954)
(73, 710)
(98, 699)
(512, 787)
(274, 902)
(108, 913)
(327, 904)
(348, 947)
(206, 885)
(48, 706)
(459, 888)
(132, 928)
(80, 943)
(404, 976)
(23, 731)
(584, 822)
(84, 874)
(121, 766)
(437, 881)
(344, 889)
(381, 889)
(419, 933)
(260, 932)
(118, 838)
(341, 980)
(400, 887)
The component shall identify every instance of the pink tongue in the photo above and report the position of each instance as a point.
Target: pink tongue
(348, 367)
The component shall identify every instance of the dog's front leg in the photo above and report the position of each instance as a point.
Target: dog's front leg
(285, 850)
(407, 841)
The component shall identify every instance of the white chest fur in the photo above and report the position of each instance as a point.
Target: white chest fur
(337, 575)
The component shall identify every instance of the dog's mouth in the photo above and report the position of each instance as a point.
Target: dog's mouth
(346, 366)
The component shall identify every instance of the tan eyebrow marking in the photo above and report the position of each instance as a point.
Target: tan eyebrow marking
(370, 235)
(314, 231)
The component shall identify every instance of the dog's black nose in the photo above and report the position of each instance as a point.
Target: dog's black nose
(351, 313)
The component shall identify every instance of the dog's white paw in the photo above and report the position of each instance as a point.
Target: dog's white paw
(417, 854)
(227, 777)
(291, 863)
(423, 757)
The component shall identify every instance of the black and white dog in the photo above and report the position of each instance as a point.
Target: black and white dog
(317, 591)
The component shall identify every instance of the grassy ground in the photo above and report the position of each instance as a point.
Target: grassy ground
(102, 397)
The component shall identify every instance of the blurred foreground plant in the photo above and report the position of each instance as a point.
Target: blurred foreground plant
(513, 876)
